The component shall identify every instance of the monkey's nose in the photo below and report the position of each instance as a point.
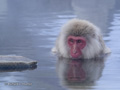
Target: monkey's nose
(74, 51)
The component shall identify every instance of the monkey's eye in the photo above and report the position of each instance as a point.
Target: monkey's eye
(71, 40)
(79, 41)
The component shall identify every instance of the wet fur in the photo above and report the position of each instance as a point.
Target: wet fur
(95, 44)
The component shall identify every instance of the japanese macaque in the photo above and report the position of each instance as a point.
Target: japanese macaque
(80, 39)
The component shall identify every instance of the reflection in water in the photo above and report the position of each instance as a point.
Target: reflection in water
(80, 73)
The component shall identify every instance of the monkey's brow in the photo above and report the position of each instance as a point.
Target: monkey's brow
(78, 34)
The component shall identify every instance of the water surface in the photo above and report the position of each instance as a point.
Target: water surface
(29, 28)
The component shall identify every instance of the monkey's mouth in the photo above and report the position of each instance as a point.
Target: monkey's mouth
(76, 54)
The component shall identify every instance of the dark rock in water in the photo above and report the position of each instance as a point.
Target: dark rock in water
(16, 63)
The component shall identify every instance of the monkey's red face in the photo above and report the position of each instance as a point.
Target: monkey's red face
(76, 44)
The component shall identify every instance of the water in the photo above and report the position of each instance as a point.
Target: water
(29, 28)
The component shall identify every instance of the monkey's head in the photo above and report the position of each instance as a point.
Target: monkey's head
(80, 39)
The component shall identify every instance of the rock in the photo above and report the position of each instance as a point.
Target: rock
(16, 63)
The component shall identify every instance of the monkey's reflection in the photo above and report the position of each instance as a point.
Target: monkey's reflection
(79, 72)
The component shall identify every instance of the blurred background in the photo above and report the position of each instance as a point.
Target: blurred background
(29, 28)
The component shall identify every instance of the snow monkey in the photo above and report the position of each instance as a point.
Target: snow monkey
(80, 39)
